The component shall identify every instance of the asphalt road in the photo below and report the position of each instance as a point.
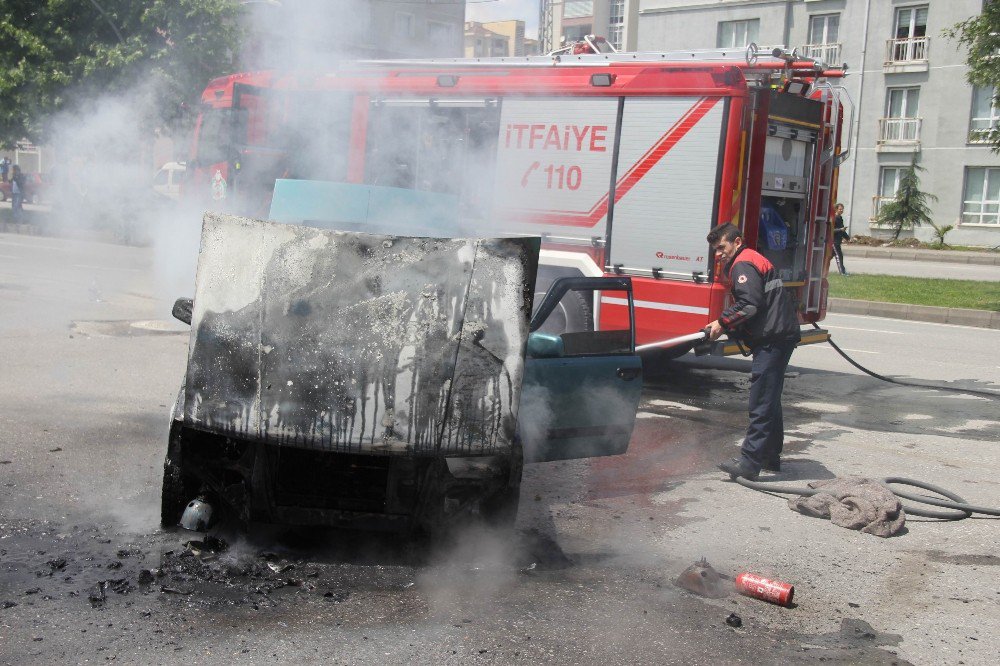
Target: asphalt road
(588, 579)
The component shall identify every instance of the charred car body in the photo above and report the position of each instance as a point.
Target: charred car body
(378, 381)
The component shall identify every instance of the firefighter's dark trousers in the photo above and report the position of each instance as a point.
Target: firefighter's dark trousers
(766, 432)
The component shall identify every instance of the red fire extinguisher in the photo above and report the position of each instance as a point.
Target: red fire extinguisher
(759, 587)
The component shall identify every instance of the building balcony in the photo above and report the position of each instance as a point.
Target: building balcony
(828, 53)
(906, 55)
(898, 135)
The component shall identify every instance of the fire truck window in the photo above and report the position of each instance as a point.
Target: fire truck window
(214, 136)
(437, 149)
(316, 130)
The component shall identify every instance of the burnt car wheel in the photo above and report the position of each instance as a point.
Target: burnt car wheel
(172, 499)
(500, 509)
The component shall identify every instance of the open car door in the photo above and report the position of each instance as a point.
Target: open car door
(581, 387)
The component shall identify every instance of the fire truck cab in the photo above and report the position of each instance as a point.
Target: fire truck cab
(622, 162)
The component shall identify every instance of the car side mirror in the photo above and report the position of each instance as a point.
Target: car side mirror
(545, 345)
(182, 310)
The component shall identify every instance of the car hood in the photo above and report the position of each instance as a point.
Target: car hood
(356, 342)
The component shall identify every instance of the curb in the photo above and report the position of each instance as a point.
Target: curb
(958, 316)
(912, 254)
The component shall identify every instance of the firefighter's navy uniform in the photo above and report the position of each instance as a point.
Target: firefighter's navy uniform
(762, 317)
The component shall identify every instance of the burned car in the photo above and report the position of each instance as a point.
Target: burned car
(376, 381)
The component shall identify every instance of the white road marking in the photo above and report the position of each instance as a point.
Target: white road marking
(9, 256)
(822, 407)
(107, 268)
(650, 415)
(675, 405)
(871, 330)
(37, 246)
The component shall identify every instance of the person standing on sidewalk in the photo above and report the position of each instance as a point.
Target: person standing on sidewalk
(17, 194)
(763, 318)
(839, 236)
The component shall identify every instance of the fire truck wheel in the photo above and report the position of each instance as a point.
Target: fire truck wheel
(572, 315)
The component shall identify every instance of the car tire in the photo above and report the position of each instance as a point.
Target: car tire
(174, 496)
(3, 195)
(499, 511)
(178, 488)
(573, 313)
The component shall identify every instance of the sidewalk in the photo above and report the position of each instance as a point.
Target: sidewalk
(911, 262)
(912, 254)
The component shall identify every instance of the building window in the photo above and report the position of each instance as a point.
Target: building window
(901, 122)
(888, 185)
(404, 24)
(578, 8)
(985, 114)
(616, 23)
(911, 22)
(910, 35)
(438, 32)
(824, 35)
(737, 34)
(576, 33)
(824, 29)
(982, 196)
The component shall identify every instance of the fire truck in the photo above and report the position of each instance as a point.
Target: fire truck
(621, 162)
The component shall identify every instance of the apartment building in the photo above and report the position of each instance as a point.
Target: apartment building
(567, 21)
(481, 42)
(908, 84)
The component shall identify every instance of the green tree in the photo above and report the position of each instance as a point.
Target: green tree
(57, 55)
(980, 34)
(909, 209)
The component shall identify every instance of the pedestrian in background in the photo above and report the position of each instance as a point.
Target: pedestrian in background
(4, 168)
(839, 236)
(17, 194)
(762, 317)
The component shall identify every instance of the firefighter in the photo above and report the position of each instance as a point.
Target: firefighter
(762, 318)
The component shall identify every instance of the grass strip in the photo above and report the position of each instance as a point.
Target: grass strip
(970, 294)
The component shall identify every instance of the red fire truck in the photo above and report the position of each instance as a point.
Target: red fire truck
(621, 161)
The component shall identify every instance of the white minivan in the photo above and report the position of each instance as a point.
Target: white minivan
(167, 181)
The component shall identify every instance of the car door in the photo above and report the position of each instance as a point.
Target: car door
(581, 388)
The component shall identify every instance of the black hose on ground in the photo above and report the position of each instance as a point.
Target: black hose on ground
(960, 509)
(932, 385)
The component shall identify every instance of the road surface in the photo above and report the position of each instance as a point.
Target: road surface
(587, 579)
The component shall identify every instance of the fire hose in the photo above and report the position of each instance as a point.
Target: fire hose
(956, 507)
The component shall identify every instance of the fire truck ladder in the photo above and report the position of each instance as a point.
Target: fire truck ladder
(753, 57)
(829, 160)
